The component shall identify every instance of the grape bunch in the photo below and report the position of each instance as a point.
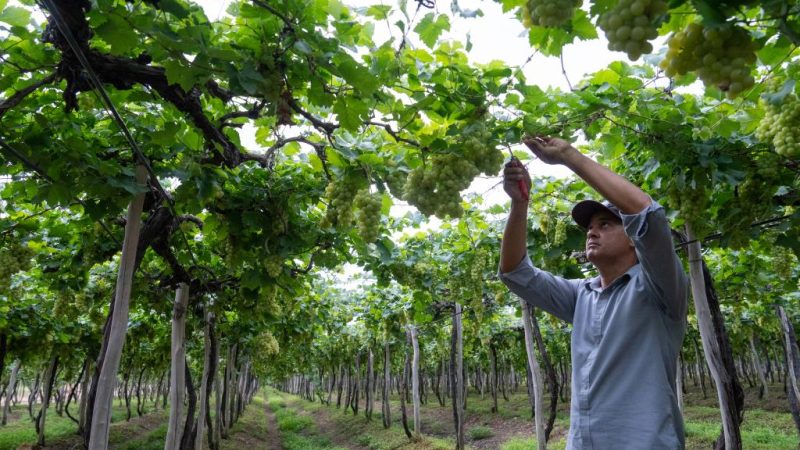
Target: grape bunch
(548, 13)
(340, 194)
(435, 188)
(560, 235)
(14, 257)
(396, 181)
(274, 265)
(691, 205)
(631, 24)
(722, 57)
(368, 214)
(474, 142)
(781, 126)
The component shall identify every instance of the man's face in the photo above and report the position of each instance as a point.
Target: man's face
(606, 238)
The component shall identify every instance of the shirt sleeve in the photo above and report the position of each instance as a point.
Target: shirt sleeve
(542, 289)
(662, 270)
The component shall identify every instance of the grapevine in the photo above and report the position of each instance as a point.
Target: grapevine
(548, 13)
(631, 24)
(722, 57)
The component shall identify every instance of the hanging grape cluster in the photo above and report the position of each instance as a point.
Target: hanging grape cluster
(368, 214)
(548, 13)
(14, 257)
(274, 265)
(435, 187)
(690, 202)
(631, 24)
(781, 125)
(340, 194)
(722, 57)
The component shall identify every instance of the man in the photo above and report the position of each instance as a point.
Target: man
(627, 323)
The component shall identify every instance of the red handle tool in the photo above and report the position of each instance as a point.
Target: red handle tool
(523, 187)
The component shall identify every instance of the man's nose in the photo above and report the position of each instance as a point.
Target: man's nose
(590, 233)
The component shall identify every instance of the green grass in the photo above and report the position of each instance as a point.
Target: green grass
(480, 432)
(529, 443)
(23, 431)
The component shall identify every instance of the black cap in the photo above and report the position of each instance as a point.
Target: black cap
(582, 212)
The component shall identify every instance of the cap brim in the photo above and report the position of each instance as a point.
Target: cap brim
(583, 211)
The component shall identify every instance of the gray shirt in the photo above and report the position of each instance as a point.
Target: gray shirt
(625, 341)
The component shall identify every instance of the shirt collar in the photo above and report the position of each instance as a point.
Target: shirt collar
(593, 284)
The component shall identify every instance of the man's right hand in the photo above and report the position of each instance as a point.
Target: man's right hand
(550, 150)
(515, 176)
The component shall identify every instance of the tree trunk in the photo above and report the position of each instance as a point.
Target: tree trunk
(552, 380)
(716, 347)
(12, 381)
(415, 381)
(404, 394)
(107, 379)
(387, 386)
(82, 410)
(536, 373)
(368, 385)
(457, 377)
(204, 384)
(700, 367)
(47, 387)
(356, 385)
(187, 436)
(177, 368)
(764, 389)
(493, 375)
(792, 365)
(139, 403)
(72, 394)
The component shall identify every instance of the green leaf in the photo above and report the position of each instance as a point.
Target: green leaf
(356, 75)
(178, 74)
(175, 8)
(351, 112)
(15, 16)
(118, 33)
(379, 12)
(774, 52)
(431, 27)
(3, 4)
(583, 28)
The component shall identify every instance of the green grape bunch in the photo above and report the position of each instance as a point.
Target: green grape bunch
(274, 265)
(435, 188)
(632, 24)
(781, 126)
(723, 57)
(14, 257)
(368, 214)
(340, 194)
(548, 13)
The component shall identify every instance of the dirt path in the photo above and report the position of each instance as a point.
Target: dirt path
(273, 435)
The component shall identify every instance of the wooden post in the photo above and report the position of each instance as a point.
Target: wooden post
(177, 376)
(107, 380)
